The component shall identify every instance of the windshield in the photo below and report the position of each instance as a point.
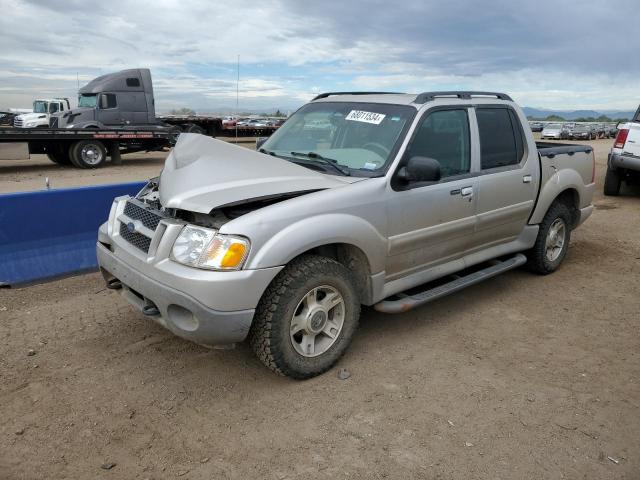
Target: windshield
(88, 100)
(358, 136)
(39, 107)
(553, 125)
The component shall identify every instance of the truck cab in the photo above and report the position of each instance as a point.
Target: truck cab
(42, 110)
(118, 99)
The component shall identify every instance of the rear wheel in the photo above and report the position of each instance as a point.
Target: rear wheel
(88, 154)
(552, 242)
(306, 318)
(59, 154)
(612, 182)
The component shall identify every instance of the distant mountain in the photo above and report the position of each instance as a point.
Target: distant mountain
(572, 115)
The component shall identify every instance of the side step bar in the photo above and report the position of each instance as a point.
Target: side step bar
(412, 301)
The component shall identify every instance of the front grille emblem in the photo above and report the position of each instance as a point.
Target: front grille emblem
(131, 227)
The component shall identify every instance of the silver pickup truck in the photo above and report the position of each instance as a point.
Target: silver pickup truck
(384, 200)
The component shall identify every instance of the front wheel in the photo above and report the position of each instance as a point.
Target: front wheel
(552, 242)
(306, 318)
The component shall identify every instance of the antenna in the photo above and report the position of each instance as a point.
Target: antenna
(78, 80)
(237, 98)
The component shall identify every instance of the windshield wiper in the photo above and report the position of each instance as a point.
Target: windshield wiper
(325, 161)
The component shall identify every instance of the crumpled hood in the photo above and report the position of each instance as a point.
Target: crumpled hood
(203, 173)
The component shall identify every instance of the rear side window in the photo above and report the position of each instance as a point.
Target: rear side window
(444, 136)
(133, 82)
(501, 142)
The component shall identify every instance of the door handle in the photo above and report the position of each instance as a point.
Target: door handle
(466, 191)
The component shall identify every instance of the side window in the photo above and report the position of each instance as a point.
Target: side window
(501, 142)
(53, 108)
(133, 82)
(444, 136)
(108, 100)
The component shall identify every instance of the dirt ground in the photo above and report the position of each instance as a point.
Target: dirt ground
(521, 377)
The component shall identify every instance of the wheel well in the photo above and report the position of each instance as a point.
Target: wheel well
(352, 258)
(571, 199)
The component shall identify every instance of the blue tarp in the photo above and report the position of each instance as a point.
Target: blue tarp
(50, 233)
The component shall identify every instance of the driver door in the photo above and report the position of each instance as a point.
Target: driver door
(108, 110)
(432, 223)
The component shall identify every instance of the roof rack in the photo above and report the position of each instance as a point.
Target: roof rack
(429, 96)
(331, 94)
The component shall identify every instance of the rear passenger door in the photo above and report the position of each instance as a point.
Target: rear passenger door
(508, 177)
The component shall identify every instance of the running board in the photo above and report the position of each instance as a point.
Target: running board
(412, 301)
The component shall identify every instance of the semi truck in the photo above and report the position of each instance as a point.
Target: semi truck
(115, 115)
(126, 99)
(41, 113)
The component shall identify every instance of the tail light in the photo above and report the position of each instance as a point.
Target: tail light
(621, 138)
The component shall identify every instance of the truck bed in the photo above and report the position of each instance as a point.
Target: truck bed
(550, 149)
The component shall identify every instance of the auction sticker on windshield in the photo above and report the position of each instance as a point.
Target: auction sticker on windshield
(366, 117)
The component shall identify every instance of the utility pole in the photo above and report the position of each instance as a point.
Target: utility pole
(237, 98)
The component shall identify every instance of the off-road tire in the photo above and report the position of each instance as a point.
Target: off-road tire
(537, 261)
(76, 154)
(612, 183)
(269, 334)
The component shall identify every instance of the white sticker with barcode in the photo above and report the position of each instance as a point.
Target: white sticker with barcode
(366, 117)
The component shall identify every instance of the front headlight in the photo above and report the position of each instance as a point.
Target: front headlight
(205, 248)
(31, 124)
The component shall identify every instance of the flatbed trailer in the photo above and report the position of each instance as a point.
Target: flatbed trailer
(83, 148)
(213, 126)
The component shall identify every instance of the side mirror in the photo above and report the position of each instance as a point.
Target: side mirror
(420, 169)
(260, 141)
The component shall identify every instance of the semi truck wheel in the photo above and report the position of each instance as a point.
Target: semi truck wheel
(193, 128)
(59, 154)
(552, 242)
(612, 182)
(88, 154)
(306, 318)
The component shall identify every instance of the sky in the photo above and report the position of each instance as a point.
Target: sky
(561, 55)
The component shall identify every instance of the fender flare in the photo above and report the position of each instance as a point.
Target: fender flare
(563, 180)
(317, 231)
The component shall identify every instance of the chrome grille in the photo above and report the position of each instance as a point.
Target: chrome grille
(134, 238)
(17, 122)
(149, 218)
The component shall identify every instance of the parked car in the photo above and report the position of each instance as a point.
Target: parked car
(612, 130)
(536, 126)
(623, 163)
(582, 132)
(553, 131)
(283, 245)
(599, 130)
